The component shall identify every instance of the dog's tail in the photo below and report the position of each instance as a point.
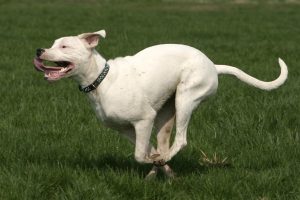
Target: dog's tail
(224, 69)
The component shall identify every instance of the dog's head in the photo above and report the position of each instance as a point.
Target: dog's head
(68, 55)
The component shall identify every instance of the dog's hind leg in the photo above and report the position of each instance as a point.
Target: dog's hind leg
(164, 123)
(184, 109)
(193, 88)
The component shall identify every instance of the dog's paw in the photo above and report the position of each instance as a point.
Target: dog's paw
(159, 163)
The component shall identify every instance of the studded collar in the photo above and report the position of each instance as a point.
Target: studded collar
(97, 82)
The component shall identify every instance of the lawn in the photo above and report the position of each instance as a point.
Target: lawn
(53, 147)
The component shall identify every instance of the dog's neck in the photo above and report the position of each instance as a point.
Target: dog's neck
(91, 70)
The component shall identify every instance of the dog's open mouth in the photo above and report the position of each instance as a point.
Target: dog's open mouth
(53, 73)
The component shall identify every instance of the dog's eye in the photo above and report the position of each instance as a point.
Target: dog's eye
(64, 46)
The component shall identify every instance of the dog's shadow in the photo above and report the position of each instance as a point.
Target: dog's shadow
(107, 162)
(181, 165)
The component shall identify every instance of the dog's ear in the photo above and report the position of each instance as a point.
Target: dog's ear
(92, 39)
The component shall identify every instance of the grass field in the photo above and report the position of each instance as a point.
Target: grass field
(53, 147)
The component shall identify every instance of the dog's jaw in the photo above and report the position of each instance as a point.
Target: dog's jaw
(53, 73)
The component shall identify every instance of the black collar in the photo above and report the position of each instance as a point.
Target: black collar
(97, 82)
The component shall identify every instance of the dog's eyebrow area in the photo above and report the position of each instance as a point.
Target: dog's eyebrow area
(63, 42)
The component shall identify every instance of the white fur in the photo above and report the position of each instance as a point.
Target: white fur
(159, 86)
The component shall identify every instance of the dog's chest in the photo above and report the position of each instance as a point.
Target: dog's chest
(108, 116)
(113, 111)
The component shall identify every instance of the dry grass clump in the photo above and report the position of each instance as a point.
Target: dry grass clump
(214, 161)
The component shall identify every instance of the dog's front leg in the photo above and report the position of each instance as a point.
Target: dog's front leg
(130, 135)
(143, 131)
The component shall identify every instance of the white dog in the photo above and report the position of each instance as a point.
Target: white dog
(157, 86)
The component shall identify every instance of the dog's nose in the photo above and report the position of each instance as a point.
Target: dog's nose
(39, 52)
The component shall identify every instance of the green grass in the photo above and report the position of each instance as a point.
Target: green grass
(53, 147)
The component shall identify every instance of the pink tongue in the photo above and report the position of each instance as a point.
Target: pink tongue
(38, 64)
